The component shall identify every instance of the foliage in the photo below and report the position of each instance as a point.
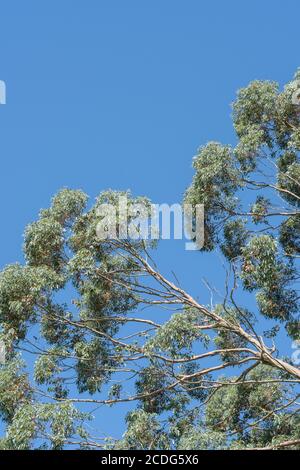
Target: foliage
(203, 378)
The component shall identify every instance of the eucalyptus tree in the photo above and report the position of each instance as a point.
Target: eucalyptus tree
(103, 325)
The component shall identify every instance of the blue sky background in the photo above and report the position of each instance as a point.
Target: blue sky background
(119, 94)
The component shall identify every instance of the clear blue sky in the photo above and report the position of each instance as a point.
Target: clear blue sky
(120, 93)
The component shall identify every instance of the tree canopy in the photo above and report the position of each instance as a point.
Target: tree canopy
(208, 377)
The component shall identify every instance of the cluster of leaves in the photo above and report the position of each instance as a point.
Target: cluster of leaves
(266, 161)
(178, 334)
(68, 305)
(228, 422)
(63, 253)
